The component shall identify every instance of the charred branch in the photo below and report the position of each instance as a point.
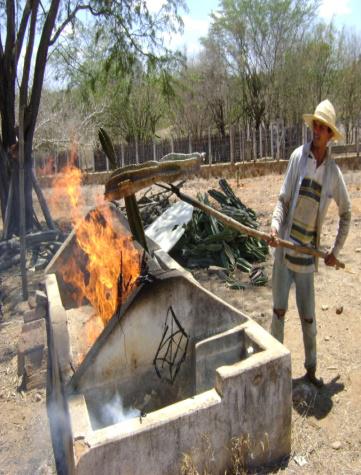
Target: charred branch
(31, 240)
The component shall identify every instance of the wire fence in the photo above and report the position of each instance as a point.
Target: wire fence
(241, 144)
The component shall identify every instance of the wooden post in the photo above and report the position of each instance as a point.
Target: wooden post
(136, 152)
(244, 145)
(42, 201)
(22, 205)
(231, 144)
(209, 146)
(8, 208)
(154, 150)
(271, 132)
(171, 145)
(56, 160)
(122, 154)
(266, 139)
(357, 144)
(278, 142)
(260, 142)
(284, 141)
(190, 143)
(254, 144)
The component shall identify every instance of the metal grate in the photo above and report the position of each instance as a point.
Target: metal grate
(172, 349)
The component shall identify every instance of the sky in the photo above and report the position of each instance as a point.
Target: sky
(196, 21)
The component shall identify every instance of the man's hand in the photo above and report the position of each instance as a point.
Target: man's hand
(274, 238)
(330, 259)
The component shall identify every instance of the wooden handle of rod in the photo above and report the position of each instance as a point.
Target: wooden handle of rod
(232, 223)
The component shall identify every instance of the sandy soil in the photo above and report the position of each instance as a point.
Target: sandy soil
(326, 428)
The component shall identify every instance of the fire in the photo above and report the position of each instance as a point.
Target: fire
(111, 261)
(105, 263)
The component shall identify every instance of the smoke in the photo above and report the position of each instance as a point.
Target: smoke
(114, 411)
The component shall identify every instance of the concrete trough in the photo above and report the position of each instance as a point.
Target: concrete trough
(177, 371)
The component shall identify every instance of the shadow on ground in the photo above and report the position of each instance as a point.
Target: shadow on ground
(309, 401)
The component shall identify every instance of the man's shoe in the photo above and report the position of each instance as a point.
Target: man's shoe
(311, 377)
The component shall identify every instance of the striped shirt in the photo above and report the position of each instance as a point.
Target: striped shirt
(304, 225)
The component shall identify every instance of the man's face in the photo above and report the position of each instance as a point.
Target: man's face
(322, 134)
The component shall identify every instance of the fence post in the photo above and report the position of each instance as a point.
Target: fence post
(278, 142)
(271, 133)
(190, 143)
(56, 160)
(254, 144)
(171, 144)
(244, 144)
(24, 279)
(154, 150)
(357, 145)
(241, 158)
(209, 147)
(122, 154)
(260, 142)
(266, 142)
(136, 152)
(231, 143)
(284, 141)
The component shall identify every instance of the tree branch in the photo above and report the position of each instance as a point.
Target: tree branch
(28, 55)
(1, 48)
(40, 64)
(70, 18)
(22, 30)
(10, 29)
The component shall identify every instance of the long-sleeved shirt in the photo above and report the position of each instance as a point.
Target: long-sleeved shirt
(333, 187)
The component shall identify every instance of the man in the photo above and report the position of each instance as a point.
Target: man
(311, 180)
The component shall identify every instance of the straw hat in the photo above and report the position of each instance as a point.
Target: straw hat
(325, 113)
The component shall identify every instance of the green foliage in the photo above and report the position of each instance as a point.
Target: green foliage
(132, 88)
(255, 36)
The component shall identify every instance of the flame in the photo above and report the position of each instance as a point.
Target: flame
(105, 264)
(111, 261)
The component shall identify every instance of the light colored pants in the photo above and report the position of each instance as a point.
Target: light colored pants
(282, 278)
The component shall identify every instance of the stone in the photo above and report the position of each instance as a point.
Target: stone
(32, 339)
(32, 301)
(327, 338)
(220, 271)
(300, 460)
(41, 298)
(35, 370)
(36, 325)
(22, 307)
(358, 249)
(336, 445)
(30, 316)
(324, 307)
(339, 309)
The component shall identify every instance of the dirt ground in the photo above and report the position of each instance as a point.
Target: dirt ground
(326, 427)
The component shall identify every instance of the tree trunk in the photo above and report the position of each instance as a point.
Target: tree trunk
(14, 224)
(4, 181)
